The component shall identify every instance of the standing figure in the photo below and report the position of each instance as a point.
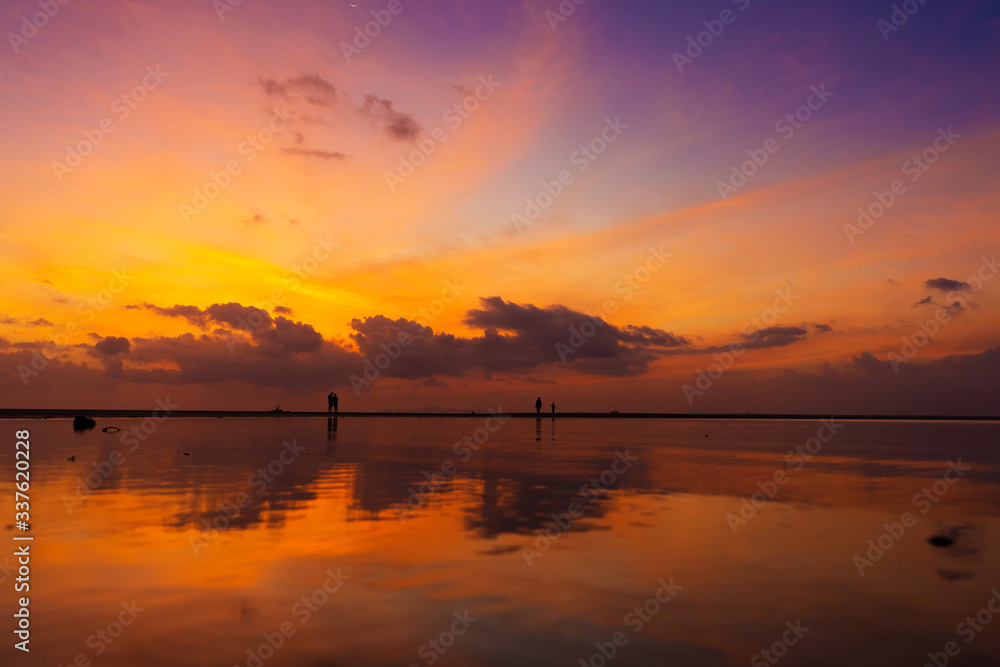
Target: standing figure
(553, 407)
(329, 402)
(538, 405)
(335, 402)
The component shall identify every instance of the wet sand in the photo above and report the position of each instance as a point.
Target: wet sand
(549, 533)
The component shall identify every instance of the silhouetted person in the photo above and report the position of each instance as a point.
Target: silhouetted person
(335, 402)
(329, 402)
(553, 408)
(538, 405)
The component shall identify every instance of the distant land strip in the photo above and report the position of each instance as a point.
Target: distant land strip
(43, 413)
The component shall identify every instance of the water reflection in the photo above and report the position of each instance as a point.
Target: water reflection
(550, 547)
(331, 436)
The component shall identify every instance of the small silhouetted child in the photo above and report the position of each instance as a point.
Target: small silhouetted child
(538, 405)
(553, 408)
(335, 402)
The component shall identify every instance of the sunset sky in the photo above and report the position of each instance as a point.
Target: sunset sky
(241, 205)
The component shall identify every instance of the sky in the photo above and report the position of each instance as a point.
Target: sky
(462, 205)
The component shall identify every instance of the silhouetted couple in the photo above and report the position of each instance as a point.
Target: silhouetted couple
(538, 406)
(331, 402)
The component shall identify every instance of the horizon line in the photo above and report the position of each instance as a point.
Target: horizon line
(56, 413)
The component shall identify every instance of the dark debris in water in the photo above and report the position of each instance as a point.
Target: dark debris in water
(942, 541)
(83, 423)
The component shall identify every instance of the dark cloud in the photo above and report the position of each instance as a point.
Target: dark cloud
(24, 322)
(312, 87)
(557, 333)
(192, 314)
(650, 337)
(238, 316)
(113, 346)
(287, 337)
(426, 353)
(251, 345)
(516, 337)
(312, 119)
(962, 384)
(32, 344)
(399, 125)
(54, 293)
(315, 152)
(316, 89)
(762, 339)
(868, 362)
(894, 283)
(231, 315)
(272, 336)
(954, 307)
(516, 342)
(274, 87)
(284, 310)
(778, 331)
(946, 284)
(248, 345)
(287, 357)
(773, 337)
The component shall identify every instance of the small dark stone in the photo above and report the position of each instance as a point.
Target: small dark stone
(111, 429)
(187, 453)
(942, 541)
(82, 423)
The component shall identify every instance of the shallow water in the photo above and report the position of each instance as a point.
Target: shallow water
(479, 564)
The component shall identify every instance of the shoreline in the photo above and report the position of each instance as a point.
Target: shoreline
(43, 413)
